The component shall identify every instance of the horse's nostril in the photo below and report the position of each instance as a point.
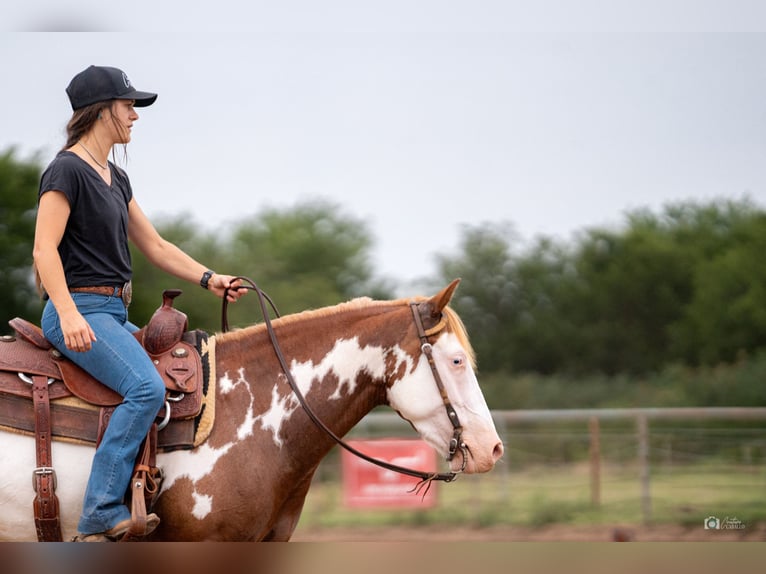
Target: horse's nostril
(497, 452)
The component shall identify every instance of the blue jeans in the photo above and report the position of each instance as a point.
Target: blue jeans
(117, 360)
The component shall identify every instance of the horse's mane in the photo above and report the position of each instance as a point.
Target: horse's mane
(453, 321)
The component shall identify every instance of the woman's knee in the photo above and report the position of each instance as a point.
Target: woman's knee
(148, 390)
(157, 391)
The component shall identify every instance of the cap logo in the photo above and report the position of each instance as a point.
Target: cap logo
(125, 80)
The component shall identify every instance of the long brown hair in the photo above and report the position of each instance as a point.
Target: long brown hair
(82, 121)
(79, 124)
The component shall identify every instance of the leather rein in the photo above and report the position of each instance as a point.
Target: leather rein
(455, 443)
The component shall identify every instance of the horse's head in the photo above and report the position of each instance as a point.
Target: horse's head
(417, 396)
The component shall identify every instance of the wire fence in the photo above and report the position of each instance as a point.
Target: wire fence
(686, 466)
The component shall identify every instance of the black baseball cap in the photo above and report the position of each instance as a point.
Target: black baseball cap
(102, 83)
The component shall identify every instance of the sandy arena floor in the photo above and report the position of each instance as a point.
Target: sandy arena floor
(665, 533)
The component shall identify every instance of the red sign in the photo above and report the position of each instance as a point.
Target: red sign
(366, 485)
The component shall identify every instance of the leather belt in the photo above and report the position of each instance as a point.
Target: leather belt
(125, 292)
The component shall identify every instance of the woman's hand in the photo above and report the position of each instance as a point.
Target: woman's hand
(218, 284)
(78, 336)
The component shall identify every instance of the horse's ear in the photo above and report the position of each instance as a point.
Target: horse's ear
(442, 298)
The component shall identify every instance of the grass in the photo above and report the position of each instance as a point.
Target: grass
(561, 494)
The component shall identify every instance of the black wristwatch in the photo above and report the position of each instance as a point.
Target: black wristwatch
(206, 278)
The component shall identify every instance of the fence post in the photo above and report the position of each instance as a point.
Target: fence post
(595, 461)
(643, 462)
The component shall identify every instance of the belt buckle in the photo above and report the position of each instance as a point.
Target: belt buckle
(127, 293)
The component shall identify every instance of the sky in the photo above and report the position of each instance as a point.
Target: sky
(419, 119)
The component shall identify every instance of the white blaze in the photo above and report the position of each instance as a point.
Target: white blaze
(417, 399)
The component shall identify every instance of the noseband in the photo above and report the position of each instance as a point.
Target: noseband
(425, 477)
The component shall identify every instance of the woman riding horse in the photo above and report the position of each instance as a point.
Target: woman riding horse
(87, 214)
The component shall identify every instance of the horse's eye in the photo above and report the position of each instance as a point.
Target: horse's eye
(457, 361)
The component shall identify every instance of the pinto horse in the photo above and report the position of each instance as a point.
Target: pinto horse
(249, 479)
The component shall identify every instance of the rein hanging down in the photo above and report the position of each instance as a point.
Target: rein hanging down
(425, 477)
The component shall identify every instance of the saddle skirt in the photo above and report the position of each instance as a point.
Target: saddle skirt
(81, 405)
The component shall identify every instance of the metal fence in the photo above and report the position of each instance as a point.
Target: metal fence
(627, 465)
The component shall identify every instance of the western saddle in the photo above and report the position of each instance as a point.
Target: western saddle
(45, 395)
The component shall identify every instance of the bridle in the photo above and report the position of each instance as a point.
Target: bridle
(457, 429)
(455, 443)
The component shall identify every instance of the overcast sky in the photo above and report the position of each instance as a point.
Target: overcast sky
(416, 125)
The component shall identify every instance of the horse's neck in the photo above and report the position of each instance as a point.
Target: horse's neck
(340, 378)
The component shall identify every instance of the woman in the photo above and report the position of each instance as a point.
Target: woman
(86, 215)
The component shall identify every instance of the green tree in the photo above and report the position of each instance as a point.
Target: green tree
(306, 257)
(726, 316)
(19, 183)
(682, 286)
(546, 331)
(202, 308)
(632, 287)
(487, 299)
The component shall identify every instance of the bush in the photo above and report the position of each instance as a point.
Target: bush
(737, 384)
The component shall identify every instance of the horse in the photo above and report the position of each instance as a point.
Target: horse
(249, 479)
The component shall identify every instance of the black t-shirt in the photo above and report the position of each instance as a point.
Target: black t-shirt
(94, 247)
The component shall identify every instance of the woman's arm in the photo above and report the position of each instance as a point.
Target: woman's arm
(170, 258)
(52, 216)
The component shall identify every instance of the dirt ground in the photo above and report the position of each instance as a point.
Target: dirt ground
(553, 533)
